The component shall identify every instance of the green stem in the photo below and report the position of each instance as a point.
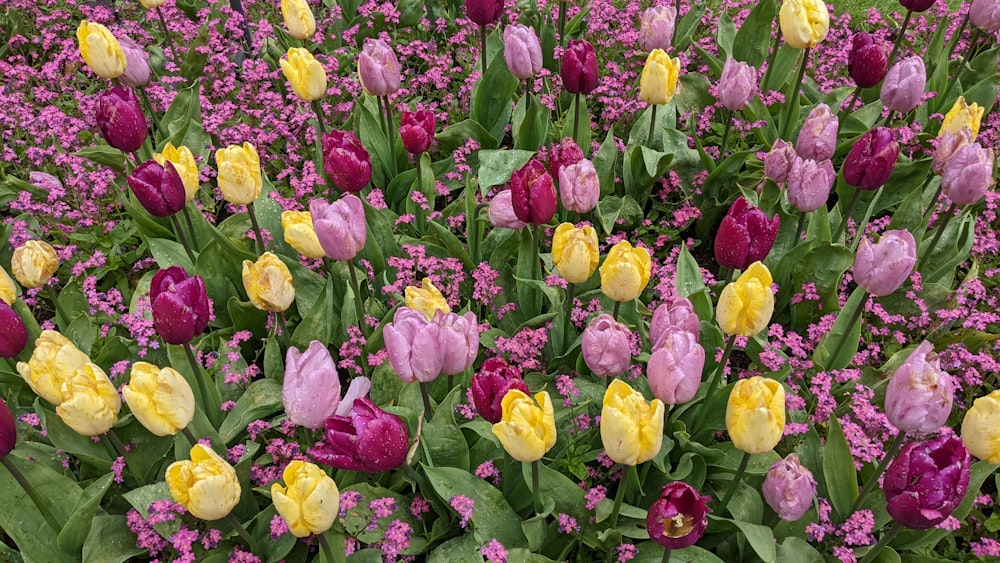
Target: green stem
(325, 546)
(242, 532)
(166, 35)
(775, 45)
(627, 473)
(716, 377)
(725, 136)
(570, 291)
(317, 108)
(735, 483)
(886, 538)
(798, 229)
(792, 98)
(562, 22)
(359, 306)
(847, 214)
(256, 227)
(854, 98)
(899, 36)
(426, 396)
(52, 294)
(855, 317)
(890, 453)
(209, 399)
(190, 225)
(937, 236)
(652, 127)
(614, 313)
(421, 214)
(888, 118)
(183, 238)
(144, 97)
(32, 493)
(123, 452)
(576, 122)
(958, 35)
(666, 555)
(190, 437)
(934, 200)
(388, 119)
(482, 50)
(536, 500)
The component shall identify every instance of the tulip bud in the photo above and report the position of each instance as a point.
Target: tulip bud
(369, 440)
(676, 313)
(755, 414)
(917, 5)
(527, 428)
(161, 399)
(804, 23)
(300, 234)
(789, 488)
(34, 263)
(310, 501)
(947, 145)
(378, 68)
(562, 154)
(745, 306)
(962, 116)
(100, 50)
(458, 336)
(745, 236)
(737, 85)
(14, 336)
(882, 267)
(299, 19)
(426, 299)
(981, 428)
(183, 161)
(533, 195)
(579, 186)
(8, 430)
(136, 63)
(158, 188)
(809, 184)
(919, 396)
(207, 486)
(417, 130)
(491, 384)
(818, 137)
(340, 226)
(625, 272)
(483, 12)
(985, 14)
(631, 428)
(778, 160)
(579, 67)
(605, 346)
(871, 159)
(120, 119)
(239, 174)
(305, 74)
(346, 161)
(868, 60)
(268, 283)
(926, 481)
(575, 252)
(679, 517)
(904, 85)
(658, 82)
(180, 305)
(90, 403)
(675, 366)
(413, 344)
(53, 361)
(8, 293)
(656, 28)
(501, 211)
(521, 51)
(968, 175)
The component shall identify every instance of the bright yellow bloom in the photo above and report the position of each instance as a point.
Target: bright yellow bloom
(625, 272)
(804, 23)
(981, 428)
(755, 414)
(300, 234)
(206, 485)
(54, 360)
(658, 83)
(90, 403)
(34, 263)
(526, 430)
(575, 252)
(268, 283)
(161, 399)
(185, 165)
(239, 173)
(305, 74)
(427, 299)
(962, 116)
(745, 306)
(311, 500)
(299, 18)
(151, 4)
(100, 50)
(8, 293)
(631, 428)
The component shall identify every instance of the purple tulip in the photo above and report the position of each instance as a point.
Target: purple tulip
(968, 175)
(778, 161)
(120, 119)
(491, 383)
(871, 159)
(947, 145)
(926, 481)
(14, 336)
(378, 68)
(676, 313)
(917, 5)
(483, 12)
(501, 211)
(158, 188)
(818, 138)
(579, 186)
(311, 389)
(180, 304)
(738, 84)
(414, 346)
(136, 63)
(919, 396)
(340, 226)
(346, 161)
(368, 439)
(459, 341)
(417, 130)
(521, 51)
(606, 348)
(579, 67)
(882, 267)
(904, 85)
(675, 366)
(679, 517)
(533, 194)
(789, 488)
(563, 153)
(985, 14)
(8, 430)
(868, 60)
(809, 184)
(745, 236)
(656, 28)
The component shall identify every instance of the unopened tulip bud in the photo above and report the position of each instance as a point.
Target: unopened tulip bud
(346, 161)
(871, 159)
(575, 252)
(579, 67)
(631, 427)
(239, 176)
(483, 12)
(413, 344)
(299, 19)
(675, 366)
(904, 85)
(34, 263)
(738, 84)
(100, 50)
(268, 283)
(676, 313)
(882, 267)
(868, 60)
(985, 14)
(305, 74)
(658, 82)
(579, 186)
(968, 175)
(378, 68)
(562, 154)
(491, 383)
(818, 137)
(458, 336)
(755, 414)
(340, 226)
(917, 5)
(309, 502)
(656, 28)
(746, 305)
(180, 304)
(14, 336)
(606, 348)
(527, 427)
(981, 428)
(745, 236)
(120, 119)
(300, 234)
(809, 184)
(137, 63)
(778, 161)
(521, 51)
(417, 130)
(625, 272)
(158, 188)
(789, 488)
(533, 194)
(160, 398)
(804, 23)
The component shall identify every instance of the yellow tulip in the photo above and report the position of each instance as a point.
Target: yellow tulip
(90, 403)
(185, 165)
(981, 428)
(310, 502)
(206, 485)
(745, 306)
(151, 5)
(804, 23)
(962, 116)
(427, 299)
(625, 272)
(305, 74)
(755, 414)
(161, 399)
(268, 283)
(100, 50)
(575, 252)
(526, 430)
(299, 18)
(54, 361)
(300, 234)
(658, 82)
(8, 293)
(34, 263)
(631, 428)
(239, 173)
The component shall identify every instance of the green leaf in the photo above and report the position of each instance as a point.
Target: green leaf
(531, 123)
(458, 134)
(492, 517)
(110, 540)
(797, 550)
(104, 154)
(77, 528)
(496, 166)
(583, 132)
(194, 63)
(371, 132)
(761, 538)
(846, 328)
(605, 162)
(838, 470)
(318, 323)
(642, 168)
(492, 97)
(169, 253)
(686, 27)
(25, 524)
(454, 246)
(261, 399)
(463, 548)
(753, 40)
(612, 208)
(67, 440)
(725, 35)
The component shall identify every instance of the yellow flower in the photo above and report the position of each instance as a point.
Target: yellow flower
(54, 360)
(300, 234)
(311, 500)
(526, 430)
(804, 23)
(631, 428)
(962, 116)
(658, 83)
(183, 161)
(427, 299)
(8, 293)
(151, 5)
(239, 173)
(34, 263)
(90, 403)
(981, 428)
(268, 283)
(206, 485)
(625, 272)
(745, 306)
(575, 252)
(160, 399)
(100, 50)
(755, 414)
(298, 18)
(305, 74)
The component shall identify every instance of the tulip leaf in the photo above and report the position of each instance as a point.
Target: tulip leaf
(181, 124)
(726, 34)
(169, 253)
(797, 550)
(20, 518)
(952, 250)
(463, 548)
(583, 132)
(318, 322)
(371, 133)
(643, 167)
(496, 166)
(838, 470)
(492, 515)
(110, 540)
(846, 328)
(531, 123)
(454, 246)
(651, 552)
(71, 538)
(456, 135)
(261, 399)
(444, 440)
(66, 439)
(104, 154)
(605, 162)
(761, 538)
(687, 25)
(492, 96)
(612, 209)
(753, 39)
(567, 496)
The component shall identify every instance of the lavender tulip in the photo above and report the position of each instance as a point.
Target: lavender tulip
(340, 226)
(181, 309)
(311, 389)
(676, 313)
(606, 348)
(809, 184)
(778, 161)
(738, 84)
(871, 159)
(368, 439)
(414, 346)
(378, 68)
(948, 144)
(818, 138)
(136, 63)
(882, 267)
(904, 85)
(491, 383)
(521, 51)
(579, 186)
(926, 481)
(919, 396)
(459, 341)
(675, 366)
(968, 175)
(789, 488)
(501, 211)
(656, 28)
(985, 14)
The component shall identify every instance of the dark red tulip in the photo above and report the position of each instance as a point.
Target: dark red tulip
(917, 5)
(745, 236)
(346, 161)
(871, 159)
(533, 193)
(579, 67)
(484, 12)
(180, 304)
(13, 333)
(120, 119)
(369, 439)
(8, 430)
(926, 481)
(158, 188)
(679, 517)
(563, 153)
(491, 383)
(868, 60)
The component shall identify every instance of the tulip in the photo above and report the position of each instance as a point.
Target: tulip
(882, 267)
(268, 283)
(533, 195)
(562, 154)
(180, 305)
(521, 51)
(737, 85)
(239, 174)
(160, 398)
(631, 428)
(985, 14)
(53, 361)
(947, 145)
(579, 186)
(158, 188)
(299, 19)
(8, 293)
(818, 137)
(459, 340)
(527, 428)
(745, 306)
(904, 85)
(206, 485)
(789, 488)
(417, 130)
(90, 403)
(346, 161)
(311, 389)
(136, 63)
(340, 226)
(413, 344)
(100, 50)
(755, 414)
(427, 299)
(185, 165)
(679, 517)
(34, 263)
(804, 23)
(745, 236)
(368, 439)
(871, 159)
(305, 74)
(658, 82)
(483, 12)
(675, 366)
(579, 67)
(15, 334)
(962, 116)
(981, 428)
(778, 160)
(575, 252)
(868, 60)
(926, 481)
(919, 396)
(605, 346)
(809, 184)
(300, 233)
(656, 28)
(968, 175)
(675, 313)
(917, 5)
(625, 272)
(120, 119)
(378, 68)
(491, 384)
(501, 211)
(309, 502)
(8, 430)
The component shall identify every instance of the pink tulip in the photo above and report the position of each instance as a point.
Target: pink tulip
(459, 341)
(676, 313)
(674, 368)
(579, 186)
(414, 346)
(882, 267)
(606, 348)
(809, 184)
(340, 226)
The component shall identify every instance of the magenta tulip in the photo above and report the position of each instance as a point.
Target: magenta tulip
(417, 130)
(579, 67)
(181, 309)
(346, 161)
(871, 159)
(368, 439)
(158, 188)
(563, 153)
(679, 517)
(491, 383)
(926, 481)
(533, 194)
(745, 236)
(14, 336)
(483, 12)
(8, 429)
(120, 119)
(868, 60)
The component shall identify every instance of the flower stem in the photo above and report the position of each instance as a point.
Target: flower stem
(52, 294)
(801, 225)
(614, 312)
(735, 483)
(570, 291)
(166, 35)
(325, 546)
(183, 239)
(958, 35)
(190, 437)
(666, 555)
(359, 306)
(854, 98)
(775, 45)
(884, 541)
(934, 200)
(256, 227)
(937, 236)
(482, 49)
(144, 98)
(627, 473)
(847, 214)
(123, 452)
(576, 121)
(716, 377)
(317, 108)
(725, 136)
(890, 453)
(32, 494)
(190, 224)
(425, 394)
(793, 97)
(536, 500)
(562, 22)
(652, 127)
(242, 532)
(899, 36)
(210, 402)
